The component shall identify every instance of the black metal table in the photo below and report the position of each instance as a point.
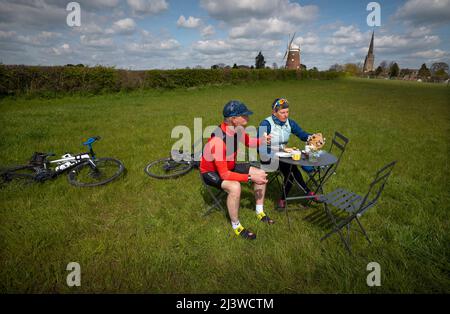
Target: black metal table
(325, 160)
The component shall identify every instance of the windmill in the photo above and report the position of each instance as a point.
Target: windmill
(293, 55)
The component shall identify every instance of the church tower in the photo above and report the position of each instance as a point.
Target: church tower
(370, 58)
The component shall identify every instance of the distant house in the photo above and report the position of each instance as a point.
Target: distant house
(218, 66)
(409, 74)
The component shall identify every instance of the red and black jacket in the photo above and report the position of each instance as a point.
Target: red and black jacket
(220, 157)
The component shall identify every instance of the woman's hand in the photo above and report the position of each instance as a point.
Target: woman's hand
(268, 138)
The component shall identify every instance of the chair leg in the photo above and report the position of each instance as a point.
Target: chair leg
(216, 202)
(363, 230)
(210, 209)
(336, 229)
(348, 234)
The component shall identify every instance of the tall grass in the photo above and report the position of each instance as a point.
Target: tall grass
(140, 234)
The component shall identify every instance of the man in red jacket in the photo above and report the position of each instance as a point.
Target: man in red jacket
(219, 169)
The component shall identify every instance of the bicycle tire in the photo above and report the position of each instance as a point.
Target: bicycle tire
(26, 173)
(80, 174)
(167, 168)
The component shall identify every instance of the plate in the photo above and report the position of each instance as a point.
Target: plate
(283, 154)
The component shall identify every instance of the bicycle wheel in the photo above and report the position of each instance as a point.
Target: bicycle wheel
(105, 170)
(24, 173)
(167, 168)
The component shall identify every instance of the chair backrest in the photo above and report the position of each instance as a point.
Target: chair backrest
(375, 188)
(340, 142)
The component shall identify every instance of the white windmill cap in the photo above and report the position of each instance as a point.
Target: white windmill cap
(295, 47)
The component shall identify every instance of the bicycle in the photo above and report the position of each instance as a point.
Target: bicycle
(83, 170)
(178, 164)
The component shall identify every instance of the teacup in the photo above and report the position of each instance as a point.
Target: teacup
(296, 155)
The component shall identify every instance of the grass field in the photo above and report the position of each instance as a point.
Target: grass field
(140, 234)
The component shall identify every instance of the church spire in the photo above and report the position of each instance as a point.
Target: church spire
(370, 58)
(371, 44)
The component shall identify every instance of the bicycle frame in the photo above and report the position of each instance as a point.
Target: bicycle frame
(68, 161)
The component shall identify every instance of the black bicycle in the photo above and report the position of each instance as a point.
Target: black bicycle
(178, 164)
(83, 169)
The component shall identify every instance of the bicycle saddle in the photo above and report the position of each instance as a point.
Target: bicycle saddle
(91, 140)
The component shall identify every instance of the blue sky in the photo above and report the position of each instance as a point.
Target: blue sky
(148, 34)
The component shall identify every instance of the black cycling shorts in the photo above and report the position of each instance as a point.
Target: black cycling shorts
(212, 178)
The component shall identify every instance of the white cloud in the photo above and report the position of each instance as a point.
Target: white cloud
(233, 11)
(96, 41)
(105, 3)
(310, 43)
(208, 31)
(63, 49)
(41, 39)
(297, 13)
(432, 54)
(272, 27)
(308, 39)
(124, 26)
(334, 50)
(191, 22)
(397, 42)
(237, 9)
(89, 28)
(98, 4)
(7, 35)
(254, 44)
(31, 14)
(348, 35)
(420, 31)
(148, 6)
(149, 47)
(425, 12)
(210, 47)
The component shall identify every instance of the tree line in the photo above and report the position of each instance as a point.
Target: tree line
(438, 72)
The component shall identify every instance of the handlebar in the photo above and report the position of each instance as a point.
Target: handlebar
(89, 143)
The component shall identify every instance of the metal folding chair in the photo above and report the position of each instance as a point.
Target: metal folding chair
(339, 142)
(354, 205)
(217, 197)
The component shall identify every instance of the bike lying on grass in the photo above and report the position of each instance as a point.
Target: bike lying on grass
(83, 169)
(178, 164)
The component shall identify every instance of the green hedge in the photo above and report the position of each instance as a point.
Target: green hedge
(37, 80)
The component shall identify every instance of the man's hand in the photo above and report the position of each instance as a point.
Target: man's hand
(259, 178)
